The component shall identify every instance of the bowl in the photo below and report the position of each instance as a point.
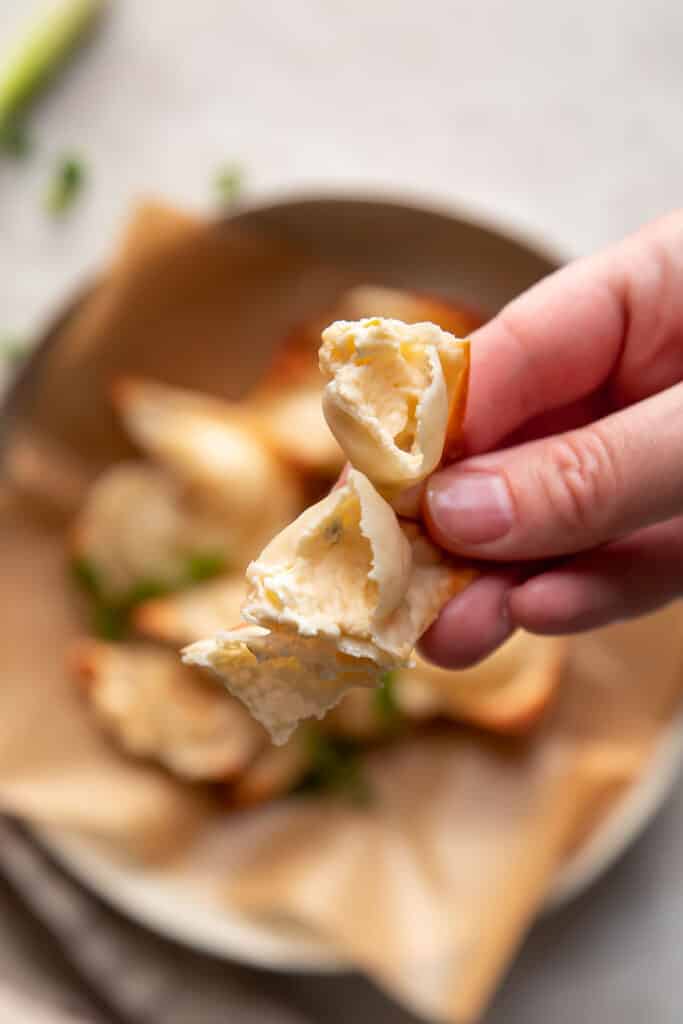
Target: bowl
(262, 269)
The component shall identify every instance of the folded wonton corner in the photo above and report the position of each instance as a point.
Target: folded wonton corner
(157, 708)
(508, 693)
(188, 615)
(214, 450)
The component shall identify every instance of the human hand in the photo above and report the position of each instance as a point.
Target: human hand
(571, 489)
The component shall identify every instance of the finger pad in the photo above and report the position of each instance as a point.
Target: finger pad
(470, 626)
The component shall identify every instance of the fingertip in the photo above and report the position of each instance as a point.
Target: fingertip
(430, 498)
(468, 506)
(409, 503)
(471, 626)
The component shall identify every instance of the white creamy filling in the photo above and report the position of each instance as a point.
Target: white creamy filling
(326, 582)
(387, 397)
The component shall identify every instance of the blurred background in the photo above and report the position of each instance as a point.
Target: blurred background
(560, 122)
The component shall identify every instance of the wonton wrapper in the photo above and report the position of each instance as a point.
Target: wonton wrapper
(287, 406)
(191, 614)
(372, 300)
(508, 692)
(345, 591)
(274, 772)
(288, 401)
(395, 395)
(155, 707)
(357, 717)
(137, 526)
(281, 677)
(216, 451)
(295, 426)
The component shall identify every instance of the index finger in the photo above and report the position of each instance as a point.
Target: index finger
(614, 318)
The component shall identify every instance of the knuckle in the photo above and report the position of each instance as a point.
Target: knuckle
(653, 298)
(580, 479)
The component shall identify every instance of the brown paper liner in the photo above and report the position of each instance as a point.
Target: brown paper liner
(430, 888)
(478, 828)
(55, 767)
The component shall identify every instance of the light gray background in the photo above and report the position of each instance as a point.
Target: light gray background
(563, 121)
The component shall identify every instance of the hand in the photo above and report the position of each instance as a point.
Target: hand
(571, 489)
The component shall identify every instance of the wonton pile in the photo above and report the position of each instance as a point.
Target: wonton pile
(162, 543)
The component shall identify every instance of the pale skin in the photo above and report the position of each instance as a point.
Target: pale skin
(571, 488)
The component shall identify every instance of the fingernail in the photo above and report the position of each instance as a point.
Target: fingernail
(470, 508)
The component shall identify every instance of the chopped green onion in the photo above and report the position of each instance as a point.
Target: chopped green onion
(66, 184)
(386, 705)
(108, 618)
(13, 138)
(205, 566)
(41, 52)
(109, 622)
(86, 576)
(336, 767)
(145, 590)
(110, 614)
(228, 183)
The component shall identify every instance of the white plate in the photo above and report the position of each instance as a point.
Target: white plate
(178, 911)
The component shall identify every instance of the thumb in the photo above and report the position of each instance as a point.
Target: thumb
(564, 493)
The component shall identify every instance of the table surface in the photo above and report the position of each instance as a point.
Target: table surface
(561, 122)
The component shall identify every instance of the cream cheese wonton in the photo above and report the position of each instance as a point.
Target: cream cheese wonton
(344, 592)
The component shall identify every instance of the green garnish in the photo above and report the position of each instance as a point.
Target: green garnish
(68, 180)
(229, 183)
(202, 567)
(109, 622)
(336, 767)
(334, 530)
(39, 55)
(13, 349)
(146, 590)
(110, 616)
(85, 575)
(13, 138)
(384, 699)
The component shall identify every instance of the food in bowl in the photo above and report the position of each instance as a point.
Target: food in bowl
(215, 479)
